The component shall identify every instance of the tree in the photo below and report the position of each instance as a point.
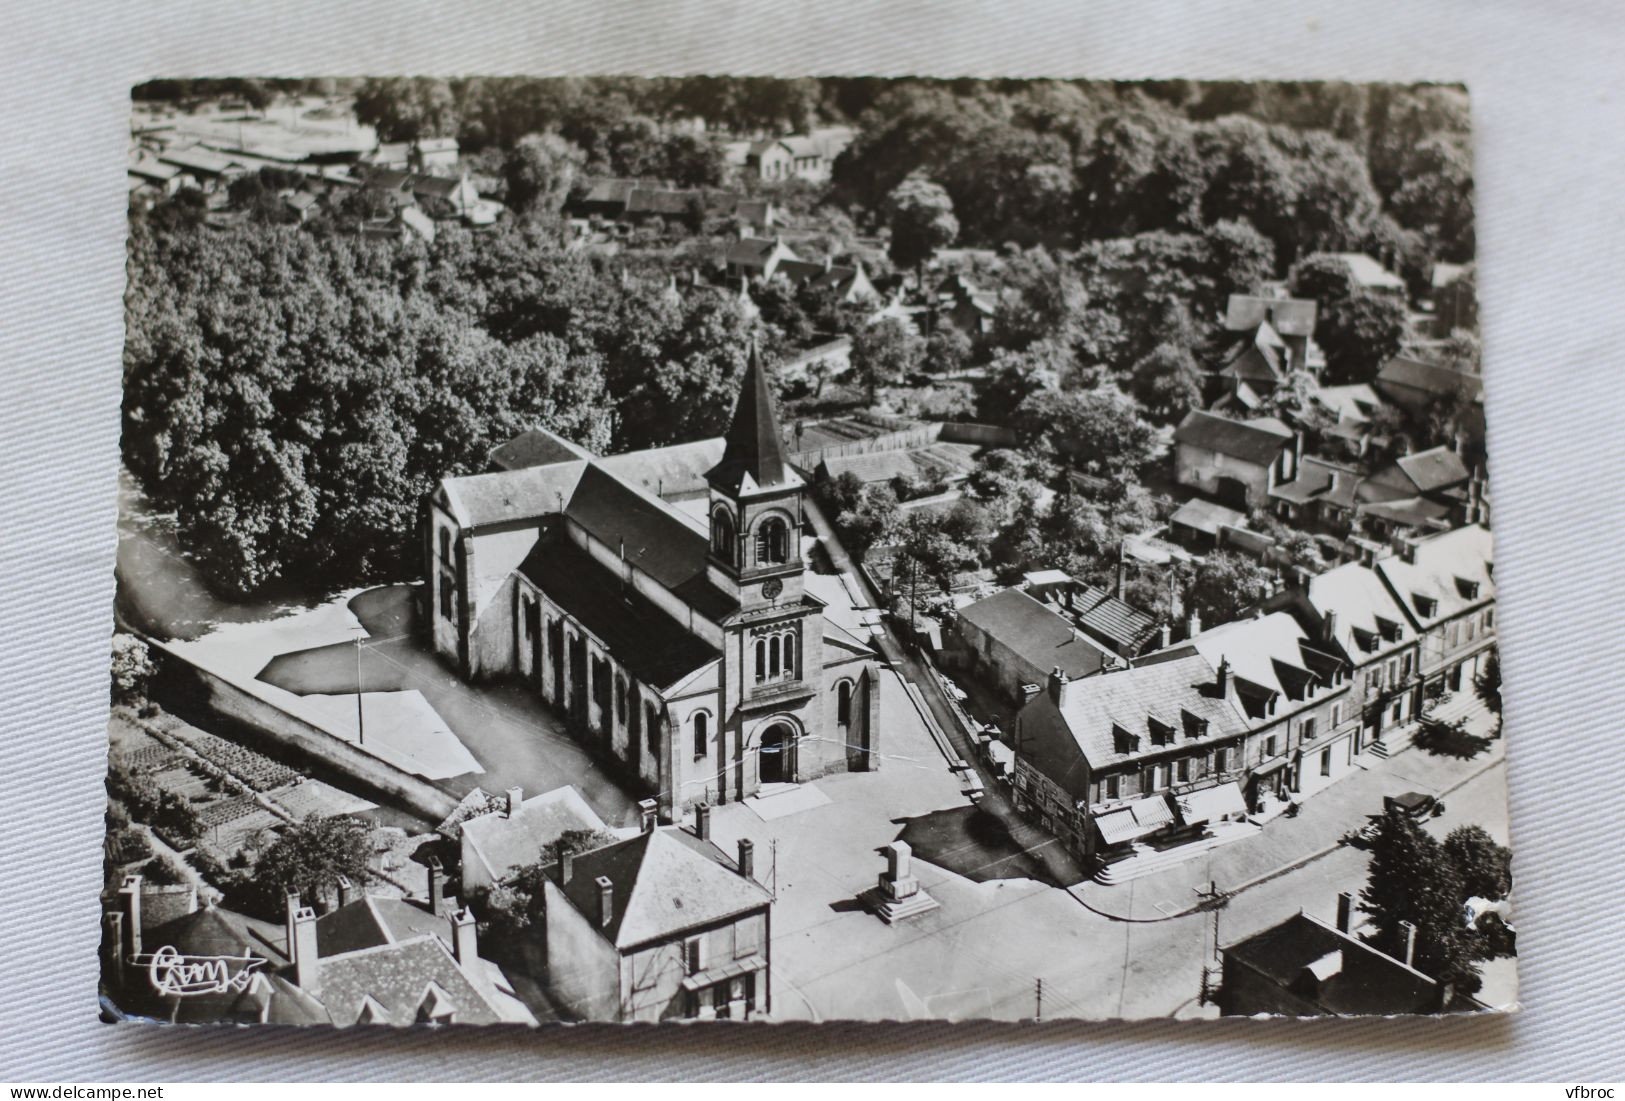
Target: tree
(309, 857)
(540, 171)
(874, 519)
(883, 353)
(1358, 330)
(947, 349)
(921, 216)
(1488, 683)
(1485, 868)
(1225, 584)
(941, 549)
(132, 668)
(1168, 383)
(1413, 879)
(1096, 431)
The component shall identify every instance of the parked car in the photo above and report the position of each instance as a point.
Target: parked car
(1414, 803)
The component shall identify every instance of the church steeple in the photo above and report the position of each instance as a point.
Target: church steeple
(753, 457)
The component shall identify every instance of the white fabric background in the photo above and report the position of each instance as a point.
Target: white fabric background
(1547, 82)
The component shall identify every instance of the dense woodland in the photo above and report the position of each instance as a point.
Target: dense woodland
(292, 391)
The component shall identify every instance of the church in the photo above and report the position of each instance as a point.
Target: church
(657, 601)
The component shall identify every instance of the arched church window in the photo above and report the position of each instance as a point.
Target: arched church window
(722, 533)
(843, 703)
(761, 659)
(788, 642)
(702, 732)
(772, 542)
(773, 656)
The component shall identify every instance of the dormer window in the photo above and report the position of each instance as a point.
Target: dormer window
(1161, 732)
(1195, 726)
(1426, 606)
(1123, 741)
(1468, 589)
(1365, 640)
(1389, 629)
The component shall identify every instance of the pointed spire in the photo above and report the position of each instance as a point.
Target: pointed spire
(754, 447)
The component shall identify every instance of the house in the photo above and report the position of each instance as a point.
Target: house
(1010, 640)
(1295, 698)
(1097, 758)
(1291, 321)
(962, 304)
(757, 257)
(369, 961)
(1323, 496)
(1355, 614)
(1419, 387)
(846, 282)
(688, 651)
(433, 155)
(1202, 526)
(807, 157)
(1370, 275)
(407, 223)
(661, 925)
(497, 844)
(302, 204)
(213, 171)
(1305, 967)
(150, 173)
(1446, 585)
(1235, 462)
(1106, 618)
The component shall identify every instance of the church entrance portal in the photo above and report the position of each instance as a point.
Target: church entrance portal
(775, 766)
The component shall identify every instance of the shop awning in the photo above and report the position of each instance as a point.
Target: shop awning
(1212, 804)
(1135, 820)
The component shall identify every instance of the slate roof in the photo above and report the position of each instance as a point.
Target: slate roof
(1435, 469)
(1256, 441)
(1369, 273)
(212, 931)
(1365, 980)
(397, 979)
(667, 472)
(753, 455)
(1064, 742)
(505, 496)
(664, 881)
(1207, 516)
(1267, 653)
(1444, 564)
(1035, 633)
(1288, 316)
(535, 447)
(507, 843)
(1320, 481)
(652, 645)
(1102, 613)
(1431, 378)
(373, 920)
(753, 252)
(1359, 599)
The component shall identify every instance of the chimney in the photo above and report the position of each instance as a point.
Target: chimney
(290, 906)
(747, 858)
(1165, 636)
(1408, 931)
(1446, 994)
(1122, 572)
(464, 938)
(1328, 626)
(346, 890)
(307, 961)
(1057, 684)
(1407, 550)
(113, 945)
(516, 799)
(1224, 676)
(437, 884)
(1345, 911)
(129, 900)
(829, 262)
(606, 901)
(1193, 624)
(567, 865)
(702, 821)
(648, 815)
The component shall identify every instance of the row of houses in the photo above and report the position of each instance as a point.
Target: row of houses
(1269, 708)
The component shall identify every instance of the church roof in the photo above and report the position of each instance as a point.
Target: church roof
(754, 446)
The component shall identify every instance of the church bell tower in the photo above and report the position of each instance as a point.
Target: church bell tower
(756, 504)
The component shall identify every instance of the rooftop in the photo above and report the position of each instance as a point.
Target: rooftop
(1207, 516)
(1288, 316)
(1335, 971)
(663, 882)
(1256, 441)
(1369, 273)
(1035, 633)
(509, 842)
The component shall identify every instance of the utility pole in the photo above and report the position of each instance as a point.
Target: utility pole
(1038, 999)
(775, 848)
(1213, 899)
(360, 715)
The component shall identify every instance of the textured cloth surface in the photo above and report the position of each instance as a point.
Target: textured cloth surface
(1549, 98)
